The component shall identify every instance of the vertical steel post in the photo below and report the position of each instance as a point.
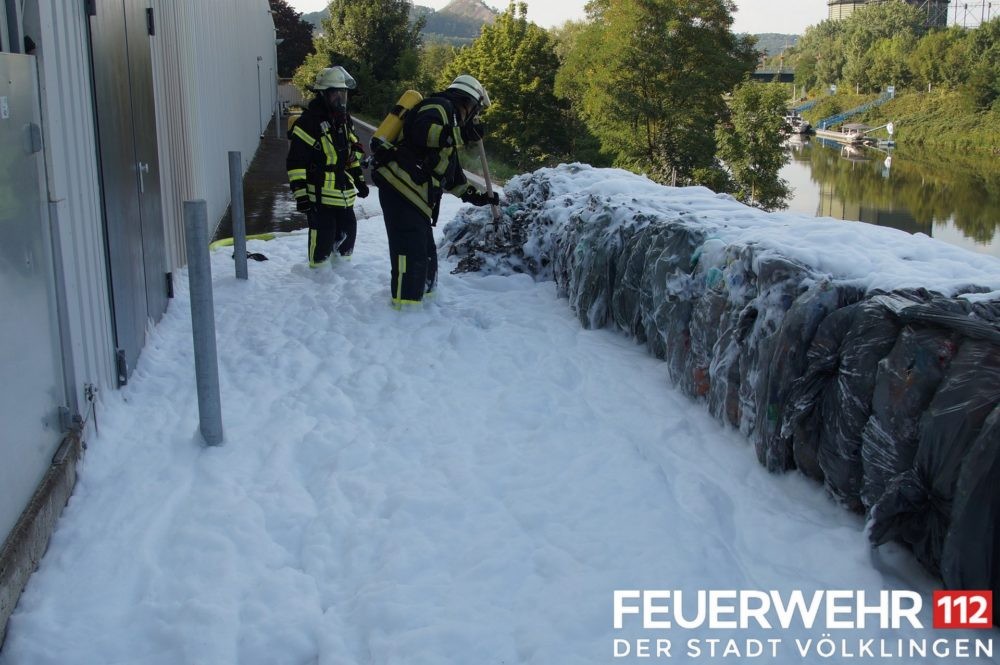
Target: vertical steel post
(277, 118)
(206, 361)
(238, 213)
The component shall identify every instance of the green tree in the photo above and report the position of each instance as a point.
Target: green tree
(516, 61)
(983, 85)
(750, 144)
(649, 76)
(890, 62)
(375, 41)
(434, 58)
(574, 41)
(296, 36)
(940, 59)
(863, 31)
(818, 58)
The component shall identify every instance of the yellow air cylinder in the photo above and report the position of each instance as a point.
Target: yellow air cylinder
(392, 126)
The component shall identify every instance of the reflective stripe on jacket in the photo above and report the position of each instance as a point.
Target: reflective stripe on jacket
(425, 159)
(323, 162)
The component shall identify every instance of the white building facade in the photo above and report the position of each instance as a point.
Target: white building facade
(125, 109)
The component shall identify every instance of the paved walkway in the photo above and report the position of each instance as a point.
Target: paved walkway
(267, 200)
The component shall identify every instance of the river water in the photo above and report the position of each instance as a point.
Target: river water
(950, 196)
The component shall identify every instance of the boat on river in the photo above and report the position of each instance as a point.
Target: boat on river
(797, 125)
(853, 133)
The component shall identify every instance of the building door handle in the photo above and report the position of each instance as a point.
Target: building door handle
(143, 167)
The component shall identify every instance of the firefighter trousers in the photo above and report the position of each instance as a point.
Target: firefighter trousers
(412, 252)
(331, 229)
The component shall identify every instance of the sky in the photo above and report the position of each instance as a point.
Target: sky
(752, 16)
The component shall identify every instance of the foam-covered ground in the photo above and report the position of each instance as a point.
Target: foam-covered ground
(464, 484)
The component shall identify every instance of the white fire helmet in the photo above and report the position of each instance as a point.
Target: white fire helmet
(334, 77)
(468, 85)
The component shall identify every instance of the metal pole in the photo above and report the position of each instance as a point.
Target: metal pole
(206, 361)
(239, 216)
(277, 106)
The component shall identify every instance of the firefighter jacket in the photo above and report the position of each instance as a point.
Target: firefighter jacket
(324, 158)
(424, 160)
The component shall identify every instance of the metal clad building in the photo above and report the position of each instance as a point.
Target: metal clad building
(126, 109)
(937, 10)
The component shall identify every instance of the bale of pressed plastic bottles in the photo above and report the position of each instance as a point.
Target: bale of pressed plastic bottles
(889, 397)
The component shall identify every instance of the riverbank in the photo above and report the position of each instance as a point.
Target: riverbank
(939, 119)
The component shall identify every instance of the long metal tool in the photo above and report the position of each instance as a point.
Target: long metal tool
(489, 184)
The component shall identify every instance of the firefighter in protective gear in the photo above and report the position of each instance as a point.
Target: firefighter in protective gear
(324, 167)
(413, 174)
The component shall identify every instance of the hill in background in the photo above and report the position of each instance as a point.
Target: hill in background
(773, 43)
(458, 23)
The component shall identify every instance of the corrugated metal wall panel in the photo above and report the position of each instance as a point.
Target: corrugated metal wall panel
(210, 99)
(71, 156)
(173, 128)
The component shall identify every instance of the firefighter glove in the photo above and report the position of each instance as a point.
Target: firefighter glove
(303, 205)
(473, 131)
(362, 188)
(478, 198)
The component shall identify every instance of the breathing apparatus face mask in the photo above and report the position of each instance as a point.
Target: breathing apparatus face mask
(468, 111)
(336, 99)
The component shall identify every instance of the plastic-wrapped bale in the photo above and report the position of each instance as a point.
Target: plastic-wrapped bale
(735, 325)
(708, 311)
(474, 238)
(788, 364)
(594, 268)
(917, 504)
(676, 292)
(564, 244)
(521, 243)
(971, 557)
(779, 282)
(871, 337)
(904, 386)
(626, 307)
(908, 378)
(812, 396)
(647, 306)
(671, 289)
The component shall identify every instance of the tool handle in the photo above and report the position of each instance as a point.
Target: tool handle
(489, 184)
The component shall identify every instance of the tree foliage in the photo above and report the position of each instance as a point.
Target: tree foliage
(434, 58)
(888, 44)
(877, 40)
(648, 77)
(296, 36)
(939, 58)
(750, 144)
(516, 61)
(375, 41)
(983, 84)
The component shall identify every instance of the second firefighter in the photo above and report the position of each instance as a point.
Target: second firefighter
(324, 167)
(415, 170)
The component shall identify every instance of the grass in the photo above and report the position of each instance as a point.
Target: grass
(939, 119)
(500, 172)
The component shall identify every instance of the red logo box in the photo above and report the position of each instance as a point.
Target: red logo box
(963, 609)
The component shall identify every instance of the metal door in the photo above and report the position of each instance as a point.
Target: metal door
(140, 65)
(33, 389)
(123, 91)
